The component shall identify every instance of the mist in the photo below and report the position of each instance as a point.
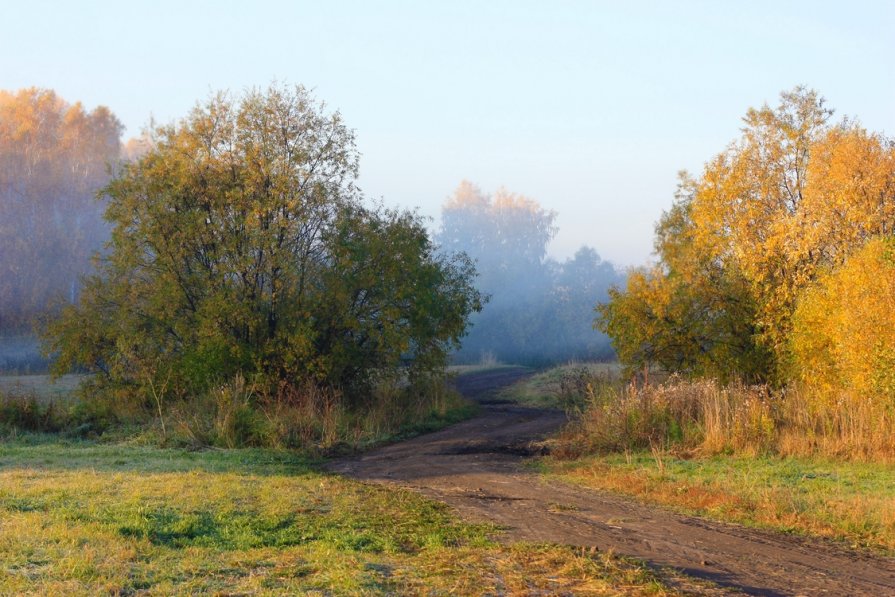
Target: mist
(54, 157)
(541, 310)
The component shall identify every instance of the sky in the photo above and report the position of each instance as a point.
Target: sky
(590, 108)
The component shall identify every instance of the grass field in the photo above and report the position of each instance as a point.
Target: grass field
(120, 517)
(84, 518)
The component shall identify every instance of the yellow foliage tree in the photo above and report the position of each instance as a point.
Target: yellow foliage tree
(54, 157)
(794, 195)
(843, 338)
(691, 313)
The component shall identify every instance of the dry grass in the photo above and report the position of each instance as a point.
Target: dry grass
(846, 501)
(309, 418)
(706, 417)
(230, 415)
(566, 386)
(785, 460)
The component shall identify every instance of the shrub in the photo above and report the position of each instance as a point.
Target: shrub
(706, 416)
(240, 245)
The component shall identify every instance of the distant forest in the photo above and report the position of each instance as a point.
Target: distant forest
(541, 310)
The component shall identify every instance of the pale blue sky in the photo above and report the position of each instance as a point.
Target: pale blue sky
(588, 107)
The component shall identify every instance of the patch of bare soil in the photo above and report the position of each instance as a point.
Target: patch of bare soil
(476, 467)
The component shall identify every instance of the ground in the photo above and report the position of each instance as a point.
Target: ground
(84, 517)
(459, 511)
(477, 467)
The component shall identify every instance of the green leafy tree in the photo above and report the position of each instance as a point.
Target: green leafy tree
(240, 244)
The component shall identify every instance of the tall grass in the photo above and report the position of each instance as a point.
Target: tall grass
(707, 417)
(307, 416)
(237, 413)
(27, 410)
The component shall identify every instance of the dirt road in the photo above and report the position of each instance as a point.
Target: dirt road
(475, 467)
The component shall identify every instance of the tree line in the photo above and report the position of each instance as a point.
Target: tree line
(540, 310)
(54, 156)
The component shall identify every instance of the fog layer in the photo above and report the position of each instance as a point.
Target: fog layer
(541, 310)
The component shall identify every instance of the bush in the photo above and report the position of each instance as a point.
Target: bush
(241, 246)
(843, 339)
(707, 417)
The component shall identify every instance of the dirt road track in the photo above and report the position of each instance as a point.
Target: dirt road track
(475, 467)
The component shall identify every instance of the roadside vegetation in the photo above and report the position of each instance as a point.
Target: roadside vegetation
(251, 311)
(563, 386)
(757, 352)
(246, 294)
(733, 453)
(228, 416)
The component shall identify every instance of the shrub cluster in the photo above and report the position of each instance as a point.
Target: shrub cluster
(709, 417)
(772, 263)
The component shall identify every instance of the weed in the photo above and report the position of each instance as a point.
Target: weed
(705, 416)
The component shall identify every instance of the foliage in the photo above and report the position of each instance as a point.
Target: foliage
(795, 195)
(240, 245)
(539, 310)
(506, 232)
(704, 416)
(843, 340)
(689, 314)
(54, 156)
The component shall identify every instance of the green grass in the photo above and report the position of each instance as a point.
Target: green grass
(846, 501)
(78, 517)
